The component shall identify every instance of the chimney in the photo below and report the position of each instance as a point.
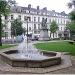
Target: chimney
(37, 7)
(29, 6)
(53, 10)
(45, 8)
(63, 12)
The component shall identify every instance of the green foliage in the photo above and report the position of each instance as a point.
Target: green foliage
(4, 8)
(71, 4)
(16, 27)
(6, 46)
(24, 30)
(72, 16)
(53, 27)
(3, 33)
(71, 26)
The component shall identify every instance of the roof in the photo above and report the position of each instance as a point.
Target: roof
(20, 9)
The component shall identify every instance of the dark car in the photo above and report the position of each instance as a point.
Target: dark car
(35, 39)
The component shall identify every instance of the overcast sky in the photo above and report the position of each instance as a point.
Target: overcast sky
(57, 5)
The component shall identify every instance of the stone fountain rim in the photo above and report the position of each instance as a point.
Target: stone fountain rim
(58, 55)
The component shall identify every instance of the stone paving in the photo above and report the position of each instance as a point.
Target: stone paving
(5, 68)
(66, 67)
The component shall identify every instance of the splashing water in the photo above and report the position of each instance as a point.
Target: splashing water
(26, 47)
(28, 51)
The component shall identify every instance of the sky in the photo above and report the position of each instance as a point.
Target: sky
(57, 5)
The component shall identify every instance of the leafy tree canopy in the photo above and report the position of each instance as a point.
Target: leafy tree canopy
(16, 27)
(4, 7)
(72, 16)
(71, 26)
(53, 27)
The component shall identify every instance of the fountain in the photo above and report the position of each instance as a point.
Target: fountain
(27, 55)
(28, 51)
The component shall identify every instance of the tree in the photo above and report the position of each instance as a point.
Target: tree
(71, 25)
(71, 4)
(53, 27)
(72, 16)
(3, 33)
(16, 27)
(4, 10)
(24, 30)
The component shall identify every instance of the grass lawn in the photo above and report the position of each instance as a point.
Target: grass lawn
(6, 46)
(57, 46)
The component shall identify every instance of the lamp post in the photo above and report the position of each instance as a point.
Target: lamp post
(27, 31)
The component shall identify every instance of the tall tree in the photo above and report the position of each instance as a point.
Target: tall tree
(71, 4)
(4, 10)
(53, 27)
(16, 27)
(71, 25)
(72, 16)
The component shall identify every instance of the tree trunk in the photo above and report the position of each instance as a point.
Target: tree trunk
(50, 35)
(53, 35)
(0, 31)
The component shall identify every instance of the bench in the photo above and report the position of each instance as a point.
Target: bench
(71, 42)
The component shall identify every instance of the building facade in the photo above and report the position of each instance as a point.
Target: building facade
(34, 20)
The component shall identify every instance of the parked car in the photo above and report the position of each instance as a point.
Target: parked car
(35, 39)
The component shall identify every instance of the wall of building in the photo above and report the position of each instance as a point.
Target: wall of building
(34, 24)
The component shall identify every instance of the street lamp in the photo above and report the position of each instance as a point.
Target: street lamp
(27, 29)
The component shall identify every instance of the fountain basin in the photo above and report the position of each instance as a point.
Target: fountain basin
(47, 59)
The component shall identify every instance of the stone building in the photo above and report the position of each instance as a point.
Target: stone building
(35, 16)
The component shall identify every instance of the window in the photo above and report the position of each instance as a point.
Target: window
(34, 26)
(29, 28)
(58, 20)
(35, 32)
(29, 18)
(25, 17)
(25, 11)
(61, 28)
(58, 28)
(61, 21)
(50, 20)
(6, 17)
(6, 27)
(34, 19)
(37, 13)
(38, 26)
(29, 11)
(64, 21)
(38, 19)
(6, 34)
(19, 16)
(11, 17)
(46, 19)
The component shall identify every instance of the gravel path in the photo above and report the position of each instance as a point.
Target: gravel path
(70, 70)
